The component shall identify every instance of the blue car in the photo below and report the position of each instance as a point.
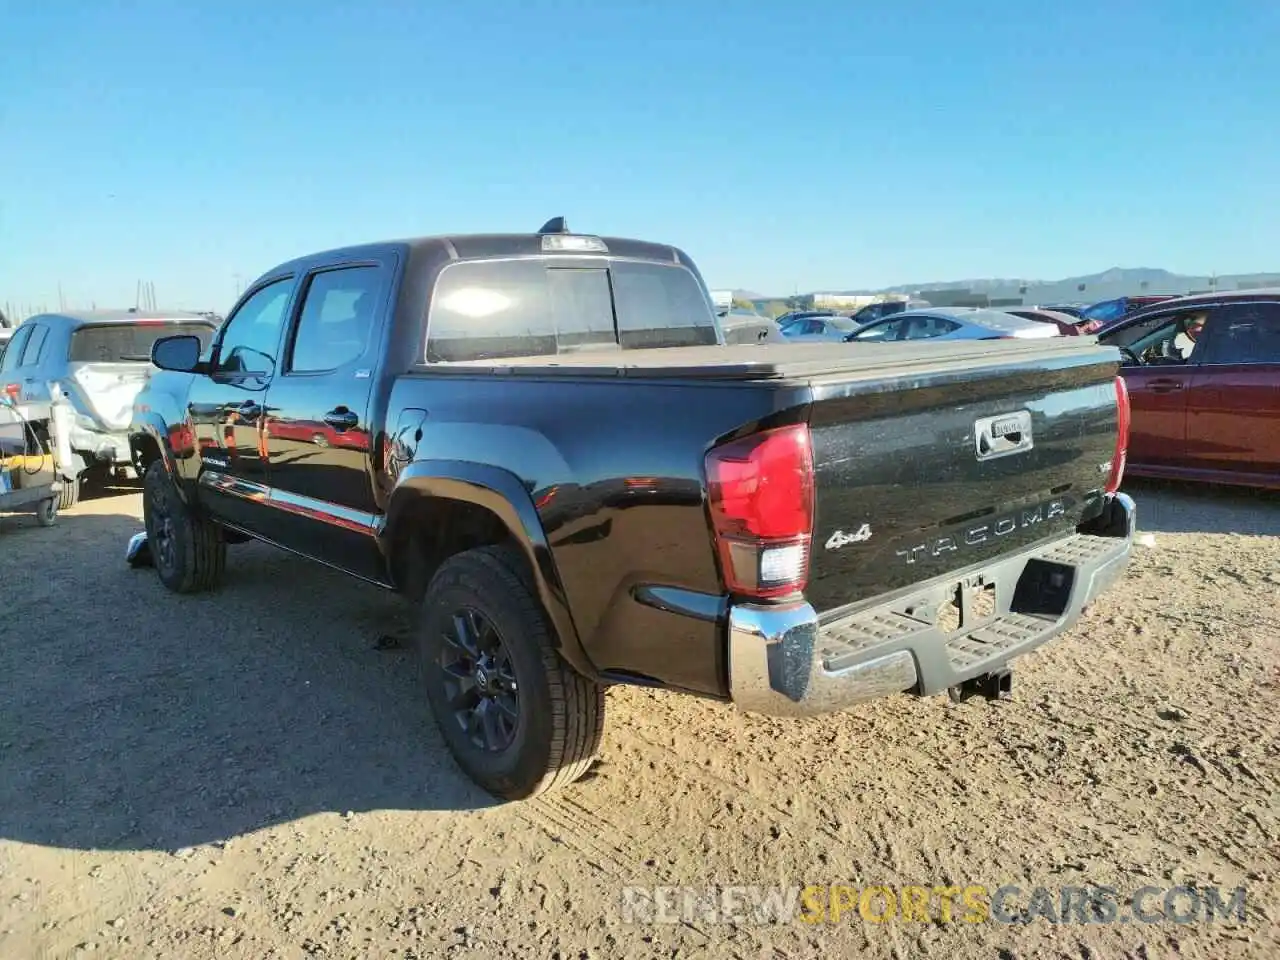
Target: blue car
(1106, 312)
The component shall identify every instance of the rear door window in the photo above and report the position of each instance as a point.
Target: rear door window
(488, 310)
(925, 328)
(35, 346)
(880, 331)
(1244, 333)
(129, 342)
(13, 353)
(337, 318)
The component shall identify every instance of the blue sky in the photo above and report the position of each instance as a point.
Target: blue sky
(784, 145)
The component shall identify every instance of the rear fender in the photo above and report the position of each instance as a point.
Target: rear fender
(502, 494)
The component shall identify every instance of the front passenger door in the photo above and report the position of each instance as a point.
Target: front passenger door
(1158, 377)
(226, 408)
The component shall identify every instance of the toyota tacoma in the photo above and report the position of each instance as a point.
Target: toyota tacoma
(545, 441)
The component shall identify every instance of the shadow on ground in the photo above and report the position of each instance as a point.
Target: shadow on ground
(100, 486)
(1171, 506)
(133, 718)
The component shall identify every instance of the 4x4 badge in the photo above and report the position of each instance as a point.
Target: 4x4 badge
(841, 539)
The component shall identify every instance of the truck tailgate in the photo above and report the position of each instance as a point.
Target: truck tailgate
(929, 468)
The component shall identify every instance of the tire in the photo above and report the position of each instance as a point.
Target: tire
(70, 494)
(47, 512)
(187, 550)
(558, 715)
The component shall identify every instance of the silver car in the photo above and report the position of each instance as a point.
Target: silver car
(742, 326)
(97, 361)
(952, 323)
(817, 329)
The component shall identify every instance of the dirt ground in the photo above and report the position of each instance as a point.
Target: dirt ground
(252, 774)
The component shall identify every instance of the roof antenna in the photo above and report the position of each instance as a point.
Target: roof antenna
(555, 225)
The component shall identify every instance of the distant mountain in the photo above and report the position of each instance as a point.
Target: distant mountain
(1117, 281)
(1114, 282)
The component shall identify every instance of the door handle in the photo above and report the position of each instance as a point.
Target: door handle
(340, 418)
(1164, 386)
(249, 410)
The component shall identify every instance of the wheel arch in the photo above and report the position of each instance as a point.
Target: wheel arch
(149, 442)
(439, 509)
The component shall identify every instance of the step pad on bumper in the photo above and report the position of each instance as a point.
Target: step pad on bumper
(844, 642)
(1078, 550)
(984, 643)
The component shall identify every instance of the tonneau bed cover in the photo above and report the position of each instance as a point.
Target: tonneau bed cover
(780, 361)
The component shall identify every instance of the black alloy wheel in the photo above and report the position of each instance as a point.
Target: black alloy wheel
(479, 681)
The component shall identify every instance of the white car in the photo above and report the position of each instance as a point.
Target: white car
(952, 323)
(97, 361)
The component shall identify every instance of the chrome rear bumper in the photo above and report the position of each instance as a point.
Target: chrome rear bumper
(784, 662)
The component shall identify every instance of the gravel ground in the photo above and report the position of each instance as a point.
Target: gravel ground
(252, 774)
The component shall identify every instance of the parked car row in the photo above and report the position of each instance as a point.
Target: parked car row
(1203, 371)
(1071, 319)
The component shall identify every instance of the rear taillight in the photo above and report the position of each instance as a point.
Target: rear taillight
(1122, 436)
(760, 492)
(11, 390)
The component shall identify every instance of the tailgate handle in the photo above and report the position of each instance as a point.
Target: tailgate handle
(1164, 386)
(1002, 435)
(340, 418)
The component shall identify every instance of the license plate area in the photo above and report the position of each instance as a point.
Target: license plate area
(964, 605)
(1002, 436)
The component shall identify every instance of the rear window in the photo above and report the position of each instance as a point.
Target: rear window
(129, 342)
(486, 310)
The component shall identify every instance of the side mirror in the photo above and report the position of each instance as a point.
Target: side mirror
(180, 354)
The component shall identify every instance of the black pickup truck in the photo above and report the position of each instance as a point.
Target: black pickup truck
(544, 439)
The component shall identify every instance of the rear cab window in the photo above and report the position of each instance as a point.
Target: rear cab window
(130, 342)
(495, 309)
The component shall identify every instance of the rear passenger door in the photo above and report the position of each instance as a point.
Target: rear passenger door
(1233, 399)
(318, 425)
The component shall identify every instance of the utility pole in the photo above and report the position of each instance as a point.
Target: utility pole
(62, 301)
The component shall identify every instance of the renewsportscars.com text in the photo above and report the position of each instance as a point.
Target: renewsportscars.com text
(1010, 903)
